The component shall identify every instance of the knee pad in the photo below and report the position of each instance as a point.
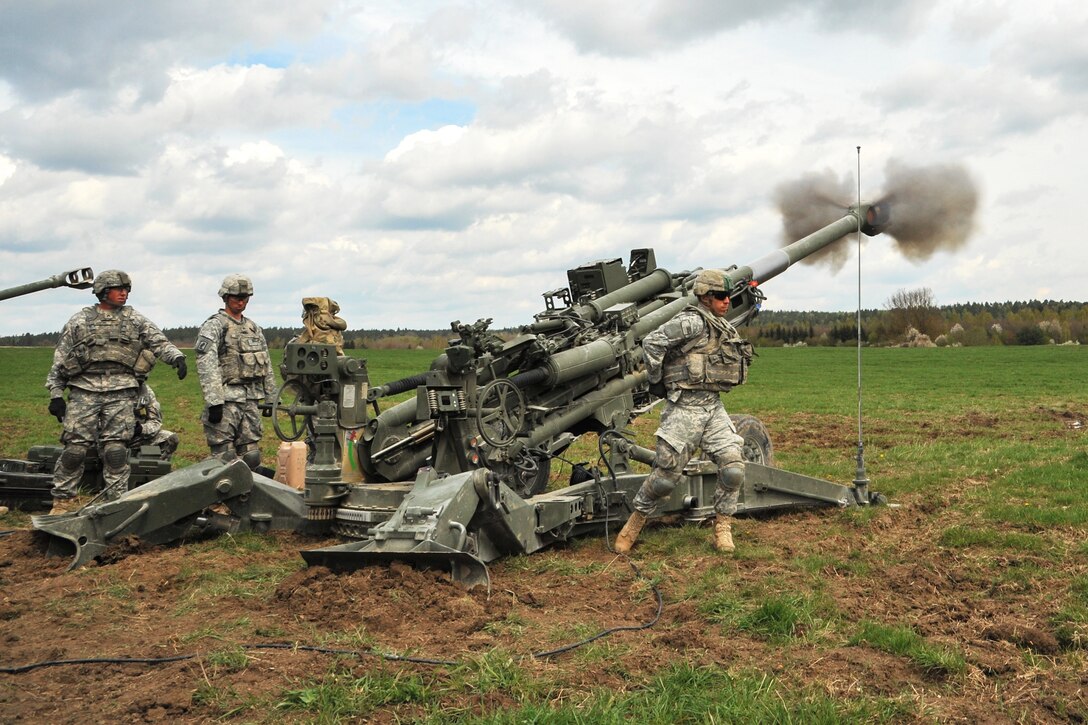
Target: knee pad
(72, 457)
(251, 454)
(115, 456)
(660, 483)
(731, 476)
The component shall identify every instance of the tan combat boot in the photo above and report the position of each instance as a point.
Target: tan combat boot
(723, 534)
(630, 532)
(64, 506)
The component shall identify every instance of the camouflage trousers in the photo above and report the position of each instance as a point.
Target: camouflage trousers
(239, 429)
(105, 420)
(165, 440)
(683, 429)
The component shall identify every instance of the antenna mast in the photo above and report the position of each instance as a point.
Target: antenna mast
(861, 481)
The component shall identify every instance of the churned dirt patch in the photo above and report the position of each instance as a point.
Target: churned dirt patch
(166, 602)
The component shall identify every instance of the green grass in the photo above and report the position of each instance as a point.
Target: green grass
(687, 694)
(978, 441)
(935, 660)
(340, 694)
(1071, 621)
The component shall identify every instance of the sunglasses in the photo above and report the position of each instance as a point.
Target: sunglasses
(720, 295)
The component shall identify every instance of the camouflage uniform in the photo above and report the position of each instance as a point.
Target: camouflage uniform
(236, 372)
(694, 354)
(97, 359)
(149, 421)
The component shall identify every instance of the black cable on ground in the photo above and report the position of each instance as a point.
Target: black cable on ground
(608, 543)
(178, 658)
(612, 630)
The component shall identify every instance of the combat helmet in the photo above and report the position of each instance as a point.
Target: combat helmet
(712, 280)
(108, 279)
(237, 285)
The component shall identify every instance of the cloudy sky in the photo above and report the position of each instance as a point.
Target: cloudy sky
(422, 162)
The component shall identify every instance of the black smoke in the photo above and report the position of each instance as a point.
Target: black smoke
(932, 209)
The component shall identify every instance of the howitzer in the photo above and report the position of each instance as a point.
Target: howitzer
(457, 475)
(76, 279)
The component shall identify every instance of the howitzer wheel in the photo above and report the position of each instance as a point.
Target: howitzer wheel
(500, 412)
(757, 441)
(299, 422)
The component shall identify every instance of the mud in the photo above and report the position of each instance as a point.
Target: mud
(163, 602)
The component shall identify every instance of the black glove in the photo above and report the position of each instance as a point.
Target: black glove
(57, 408)
(266, 409)
(182, 368)
(137, 430)
(215, 413)
(658, 389)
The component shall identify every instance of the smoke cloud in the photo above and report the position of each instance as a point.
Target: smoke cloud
(932, 209)
(810, 203)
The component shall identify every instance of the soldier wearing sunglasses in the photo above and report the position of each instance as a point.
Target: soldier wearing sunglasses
(690, 361)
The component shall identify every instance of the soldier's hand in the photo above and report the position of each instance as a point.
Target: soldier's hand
(182, 368)
(658, 389)
(215, 413)
(57, 408)
(266, 408)
(137, 431)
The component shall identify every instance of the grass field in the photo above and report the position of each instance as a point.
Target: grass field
(968, 600)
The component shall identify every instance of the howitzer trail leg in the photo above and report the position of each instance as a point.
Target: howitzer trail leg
(629, 533)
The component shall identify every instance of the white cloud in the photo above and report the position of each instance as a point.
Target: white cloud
(424, 161)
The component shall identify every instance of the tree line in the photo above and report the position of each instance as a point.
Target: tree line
(909, 317)
(912, 317)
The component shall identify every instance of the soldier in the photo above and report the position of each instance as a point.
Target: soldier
(98, 359)
(690, 360)
(149, 430)
(235, 373)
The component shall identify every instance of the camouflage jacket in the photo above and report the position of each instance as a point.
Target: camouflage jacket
(681, 337)
(77, 362)
(232, 361)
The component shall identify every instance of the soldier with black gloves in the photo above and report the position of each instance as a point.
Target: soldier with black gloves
(235, 375)
(690, 361)
(98, 359)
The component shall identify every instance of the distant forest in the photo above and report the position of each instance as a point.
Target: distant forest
(910, 318)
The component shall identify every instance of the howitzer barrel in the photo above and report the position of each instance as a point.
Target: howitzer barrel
(870, 218)
(76, 279)
(652, 284)
(585, 407)
(602, 354)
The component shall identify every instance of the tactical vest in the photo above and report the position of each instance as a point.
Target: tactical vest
(243, 353)
(718, 364)
(104, 342)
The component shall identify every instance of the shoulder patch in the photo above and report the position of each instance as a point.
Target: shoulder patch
(203, 344)
(691, 325)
